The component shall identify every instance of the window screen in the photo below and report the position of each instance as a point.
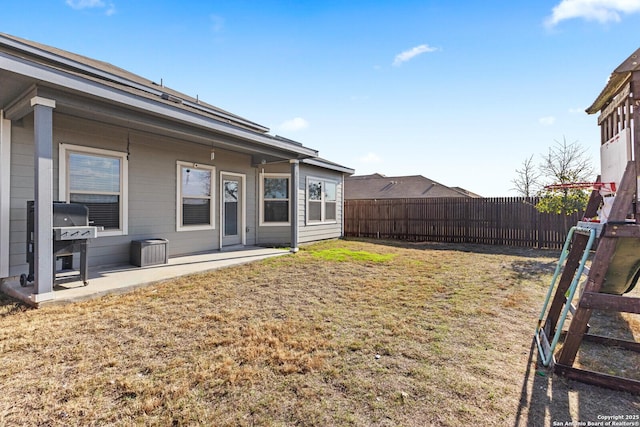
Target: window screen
(94, 181)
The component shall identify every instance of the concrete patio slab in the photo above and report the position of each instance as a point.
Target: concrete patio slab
(122, 278)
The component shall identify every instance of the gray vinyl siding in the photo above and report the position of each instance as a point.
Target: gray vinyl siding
(271, 235)
(310, 232)
(21, 189)
(151, 187)
(274, 235)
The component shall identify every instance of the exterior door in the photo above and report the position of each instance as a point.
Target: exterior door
(232, 210)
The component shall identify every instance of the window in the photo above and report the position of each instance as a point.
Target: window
(315, 200)
(275, 199)
(195, 197)
(321, 200)
(330, 189)
(98, 179)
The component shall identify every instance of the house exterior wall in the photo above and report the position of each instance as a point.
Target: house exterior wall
(152, 186)
(308, 232)
(319, 231)
(271, 235)
(21, 189)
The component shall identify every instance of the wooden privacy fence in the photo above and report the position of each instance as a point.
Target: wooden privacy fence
(511, 221)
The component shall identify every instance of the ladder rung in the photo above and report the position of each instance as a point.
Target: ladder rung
(584, 231)
(584, 227)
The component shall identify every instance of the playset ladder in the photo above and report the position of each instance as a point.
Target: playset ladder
(545, 350)
(591, 297)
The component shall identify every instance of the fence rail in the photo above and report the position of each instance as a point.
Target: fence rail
(511, 221)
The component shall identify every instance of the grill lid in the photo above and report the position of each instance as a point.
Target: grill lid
(70, 215)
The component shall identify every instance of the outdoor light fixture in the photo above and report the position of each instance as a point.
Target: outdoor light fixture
(213, 154)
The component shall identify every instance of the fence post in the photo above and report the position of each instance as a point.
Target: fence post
(406, 219)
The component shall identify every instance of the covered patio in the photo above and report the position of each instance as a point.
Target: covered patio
(123, 278)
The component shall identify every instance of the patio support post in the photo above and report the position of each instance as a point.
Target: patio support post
(295, 188)
(43, 215)
(5, 176)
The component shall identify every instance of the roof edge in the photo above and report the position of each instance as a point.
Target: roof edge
(618, 78)
(41, 50)
(615, 82)
(66, 80)
(320, 162)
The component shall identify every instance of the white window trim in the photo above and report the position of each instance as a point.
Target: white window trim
(212, 223)
(63, 193)
(264, 223)
(322, 201)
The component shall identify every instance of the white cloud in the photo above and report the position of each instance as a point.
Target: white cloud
(592, 10)
(370, 158)
(295, 124)
(412, 53)
(85, 4)
(91, 4)
(577, 110)
(547, 121)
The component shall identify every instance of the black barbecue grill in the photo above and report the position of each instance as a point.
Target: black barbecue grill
(71, 230)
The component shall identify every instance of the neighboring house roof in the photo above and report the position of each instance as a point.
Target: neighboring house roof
(467, 192)
(378, 186)
(28, 66)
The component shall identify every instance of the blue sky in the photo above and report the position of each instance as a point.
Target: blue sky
(460, 92)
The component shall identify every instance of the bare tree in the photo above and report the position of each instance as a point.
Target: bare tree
(527, 179)
(565, 164)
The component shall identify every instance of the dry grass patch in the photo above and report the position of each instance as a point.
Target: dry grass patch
(343, 333)
(611, 359)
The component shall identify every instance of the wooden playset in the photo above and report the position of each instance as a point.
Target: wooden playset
(615, 234)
